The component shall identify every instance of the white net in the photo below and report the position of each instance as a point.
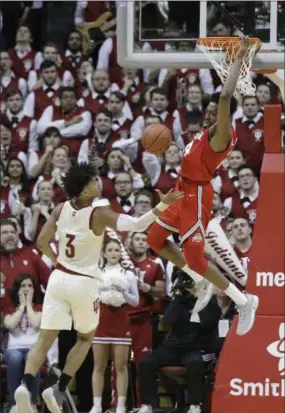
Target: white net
(221, 53)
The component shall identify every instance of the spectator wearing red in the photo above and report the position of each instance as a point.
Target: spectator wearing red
(9, 80)
(217, 211)
(131, 85)
(244, 202)
(143, 202)
(42, 209)
(226, 182)
(73, 122)
(40, 161)
(83, 80)
(22, 319)
(6, 198)
(119, 291)
(15, 260)
(151, 285)
(47, 94)
(49, 52)
(194, 121)
(100, 91)
(117, 162)
(194, 103)
(18, 180)
(241, 232)
(22, 55)
(121, 123)
(249, 130)
(124, 201)
(264, 95)
(102, 140)
(158, 107)
(24, 129)
(73, 56)
(7, 149)
(59, 164)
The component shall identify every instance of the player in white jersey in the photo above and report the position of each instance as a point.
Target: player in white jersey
(72, 291)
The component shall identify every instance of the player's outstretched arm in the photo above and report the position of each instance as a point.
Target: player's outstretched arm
(105, 217)
(47, 234)
(222, 131)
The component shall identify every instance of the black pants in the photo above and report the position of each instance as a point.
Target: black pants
(172, 356)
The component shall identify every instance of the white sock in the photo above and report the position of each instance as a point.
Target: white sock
(121, 403)
(238, 297)
(97, 402)
(196, 277)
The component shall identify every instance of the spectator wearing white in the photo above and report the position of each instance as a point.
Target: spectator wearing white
(143, 202)
(100, 90)
(6, 147)
(24, 129)
(22, 320)
(121, 123)
(73, 122)
(125, 198)
(113, 332)
(40, 161)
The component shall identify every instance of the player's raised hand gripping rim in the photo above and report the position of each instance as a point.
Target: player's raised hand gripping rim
(243, 47)
(170, 196)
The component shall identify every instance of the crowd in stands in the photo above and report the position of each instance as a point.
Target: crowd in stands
(60, 104)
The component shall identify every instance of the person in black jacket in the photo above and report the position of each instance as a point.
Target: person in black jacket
(191, 342)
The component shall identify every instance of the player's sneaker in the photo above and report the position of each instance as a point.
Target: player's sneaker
(247, 314)
(54, 399)
(14, 409)
(195, 409)
(96, 410)
(145, 409)
(23, 400)
(205, 293)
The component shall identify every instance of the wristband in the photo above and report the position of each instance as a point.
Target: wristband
(162, 206)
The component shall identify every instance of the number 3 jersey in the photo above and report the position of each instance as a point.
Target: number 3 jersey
(200, 161)
(79, 248)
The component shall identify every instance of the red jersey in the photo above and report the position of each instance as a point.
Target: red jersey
(200, 161)
(149, 272)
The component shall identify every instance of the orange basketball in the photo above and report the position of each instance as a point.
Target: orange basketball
(156, 138)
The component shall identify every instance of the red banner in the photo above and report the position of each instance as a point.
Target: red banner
(252, 381)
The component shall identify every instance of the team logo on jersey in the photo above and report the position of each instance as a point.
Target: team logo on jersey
(252, 216)
(23, 133)
(28, 64)
(198, 136)
(197, 237)
(258, 133)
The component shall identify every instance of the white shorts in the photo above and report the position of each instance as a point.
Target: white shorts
(70, 298)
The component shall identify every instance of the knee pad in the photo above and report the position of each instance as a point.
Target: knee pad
(157, 236)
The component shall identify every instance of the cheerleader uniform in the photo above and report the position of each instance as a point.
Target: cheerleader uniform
(114, 324)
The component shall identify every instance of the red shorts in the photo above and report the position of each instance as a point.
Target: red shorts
(114, 326)
(189, 217)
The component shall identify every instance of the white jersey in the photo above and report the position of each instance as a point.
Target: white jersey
(79, 248)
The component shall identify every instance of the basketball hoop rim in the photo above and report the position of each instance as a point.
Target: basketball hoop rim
(227, 41)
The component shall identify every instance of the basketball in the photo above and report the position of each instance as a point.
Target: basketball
(156, 138)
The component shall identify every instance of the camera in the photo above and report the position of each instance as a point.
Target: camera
(181, 282)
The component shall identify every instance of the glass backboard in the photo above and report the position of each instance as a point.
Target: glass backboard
(164, 33)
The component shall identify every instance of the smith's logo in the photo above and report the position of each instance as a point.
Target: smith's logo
(269, 279)
(277, 349)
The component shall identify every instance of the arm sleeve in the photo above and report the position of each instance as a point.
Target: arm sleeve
(33, 139)
(104, 54)
(45, 121)
(29, 106)
(128, 223)
(132, 295)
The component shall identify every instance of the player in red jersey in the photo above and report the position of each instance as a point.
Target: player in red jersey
(191, 215)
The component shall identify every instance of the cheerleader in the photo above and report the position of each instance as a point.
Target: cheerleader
(113, 332)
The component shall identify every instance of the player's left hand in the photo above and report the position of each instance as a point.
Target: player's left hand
(244, 45)
(170, 197)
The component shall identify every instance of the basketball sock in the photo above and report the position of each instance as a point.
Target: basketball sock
(63, 382)
(97, 402)
(121, 403)
(196, 277)
(28, 380)
(238, 297)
